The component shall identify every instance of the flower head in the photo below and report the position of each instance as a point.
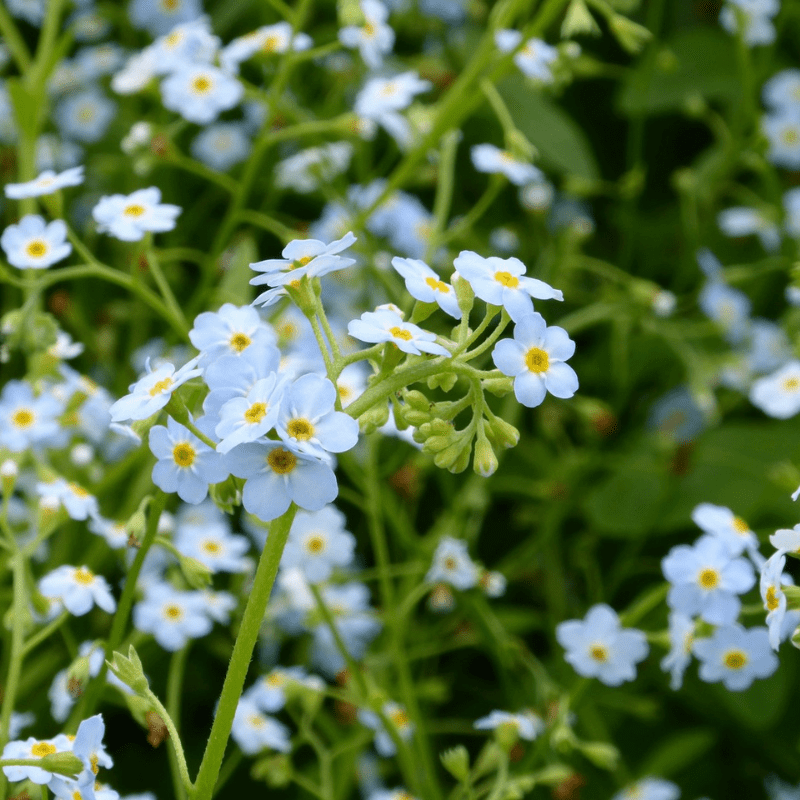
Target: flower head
(385, 325)
(35, 244)
(129, 217)
(46, 183)
(736, 656)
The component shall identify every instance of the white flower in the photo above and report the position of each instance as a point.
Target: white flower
(773, 596)
(213, 546)
(375, 38)
(533, 58)
(787, 540)
(35, 244)
(778, 394)
(527, 724)
(79, 589)
(384, 325)
(425, 285)
(536, 358)
(741, 221)
(399, 719)
(152, 392)
(598, 647)
(269, 39)
(681, 637)
(34, 748)
(47, 183)
(755, 15)
(706, 580)
(199, 93)
(726, 526)
(452, 564)
(782, 90)
(382, 99)
(491, 159)
(172, 616)
(254, 731)
(736, 656)
(129, 217)
(306, 170)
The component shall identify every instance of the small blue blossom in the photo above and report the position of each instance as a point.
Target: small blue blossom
(245, 419)
(185, 465)
(385, 325)
(35, 244)
(736, 656)
(27, 420)
(201, 92)
(535, 359)
(277, 476)
(307, 421)
(318, 542)
(425, 285)
(231, 331)
(221, 145)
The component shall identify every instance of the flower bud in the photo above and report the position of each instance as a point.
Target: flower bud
(464, 294)
(437, 444)
(499, 387)
(456, 762)
(64, 763)
(416, 400)
(502, 433)
(197, 574)
(461, 463)
(130, 671)
(578, 21)
(485, 462)
(9, 470)
(445, 458)
(628, 33)
(601, 754)
(413, 417)
(373, 418)
(444, 380)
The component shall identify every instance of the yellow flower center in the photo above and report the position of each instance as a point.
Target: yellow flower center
(735, 659)
(281, 461)
(437, 286)
(84, 576)
(399, 718)
(255, 413)
(598, 653)
(42, 749)
(301, 262)
(173, 40)
(450, 563)
(240, 341)
(211, 547)
(37, 248)
(201, 85)
(315, 544)
(23, 418)
(95, 763)
(400, 333)
(275, 679)
(256, 722)
(300, 429)
(183, 454)
(791, 384)
(389, 89)
(134, 210)
(86, 114)
(170, 5)
(160, 387)
(740, 526)
(772, 599)
(507, 279)
(537, 360)
(790, 136)
(708, 578)
(271, 43)
(78, 491)
(173, 612)
(369, 29)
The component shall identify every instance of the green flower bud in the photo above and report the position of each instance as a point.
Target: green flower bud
(502, 433)
(499, 387)
(414, 417)
(437, 444)
(507, 735)
(65, 763)
(456, 762)
(461, 463)
(485, 462)
(9, 470)
(137, 523)
(77, 676)
(275, 771)
(579, 21)
(226, 495)
(629, 34)
(422, 311)
(464, 294)
(130, 671)
(444, 380)
(445, 458)
(792, 596)
(416, 400)
(601, 754)
(197, 574)
(373, 418)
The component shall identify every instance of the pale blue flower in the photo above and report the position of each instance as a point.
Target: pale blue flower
(161, 16)
(46, 183)
(502, 282)
(186, 464)
(527, 724)
(375, 38)
(425, 285)
(27, 420)
(536, 358)
(706, 580)
(318, 543)
(221, 145)
(491, 159)
(245, 419)
(681, 636)
(452, 564)
(728, 307)
(736, 656)
(35, 244)
(276, 477)
(397, 717)
(307, 421)
(85, 115)
(649, 789)
(782, 90)
(254, 731)
(598, 647)
(232, 331)
(200, 93)
(172, 616)
(782, 129)
(129, 217)
(385, 325)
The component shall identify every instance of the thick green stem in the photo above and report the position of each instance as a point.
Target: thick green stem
(242, 653)
(177, 666)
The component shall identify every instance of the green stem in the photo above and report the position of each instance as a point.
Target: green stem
(13, 39)
(164, 288)
(444, 189)
(258, 218)
(467, 222)
(15, 661)
(177, 666)
(45, 632)
(177, 746)
(92, 695)
(242, 653)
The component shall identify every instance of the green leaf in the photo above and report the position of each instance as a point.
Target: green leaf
(695, 61)
(677, 752)
(561, 143)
